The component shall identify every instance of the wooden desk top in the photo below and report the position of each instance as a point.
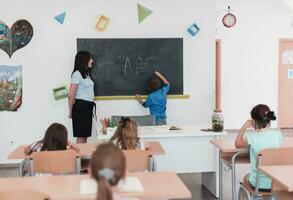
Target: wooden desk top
(86, 150)
(156, 185)
(282, 174)
(228, 145)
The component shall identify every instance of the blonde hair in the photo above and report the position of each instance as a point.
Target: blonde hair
(126, 134)
(108, 166)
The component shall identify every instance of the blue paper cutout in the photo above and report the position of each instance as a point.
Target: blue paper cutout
(60, 18)
(193, 29)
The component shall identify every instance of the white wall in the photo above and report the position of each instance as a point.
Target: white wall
(48, 59)
(250, 55)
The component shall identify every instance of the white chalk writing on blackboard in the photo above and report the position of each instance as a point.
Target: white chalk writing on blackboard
(140, 65)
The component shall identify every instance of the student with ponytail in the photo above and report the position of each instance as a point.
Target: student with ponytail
(264, 138)
(126, 135)
(108, 166)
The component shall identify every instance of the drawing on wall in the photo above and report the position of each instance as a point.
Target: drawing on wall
(102, 23)
(18, 36)
(143, 12)
(287, 57)
(10, 87)
(60, 18)
(193, 29)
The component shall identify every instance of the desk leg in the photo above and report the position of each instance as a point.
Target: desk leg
(220, 179)
(233, 181)
(21, 165)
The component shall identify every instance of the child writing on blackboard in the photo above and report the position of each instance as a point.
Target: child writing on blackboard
(157, 99)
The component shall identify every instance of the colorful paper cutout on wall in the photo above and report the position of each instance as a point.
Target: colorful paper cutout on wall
(60, 18)
(60, 93)
(102, 23)
(289, 3)
(193, 29)
(10, 87)
(18, 36)
(143, 12)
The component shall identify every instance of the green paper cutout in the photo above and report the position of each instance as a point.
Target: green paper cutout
(143, 12)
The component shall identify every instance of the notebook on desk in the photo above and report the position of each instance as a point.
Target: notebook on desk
(129, 184)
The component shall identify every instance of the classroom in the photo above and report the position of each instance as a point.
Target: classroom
(220, 58)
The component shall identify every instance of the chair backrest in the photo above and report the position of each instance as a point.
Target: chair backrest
(138, 160)
(67, 161)
(276, 156)
(23, 194)
(141, 120)
(273, 156)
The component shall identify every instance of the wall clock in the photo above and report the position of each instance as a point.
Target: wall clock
(229, 20)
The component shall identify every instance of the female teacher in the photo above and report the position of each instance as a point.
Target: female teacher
(81, 97)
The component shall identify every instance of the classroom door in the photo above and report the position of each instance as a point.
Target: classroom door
(286, 83)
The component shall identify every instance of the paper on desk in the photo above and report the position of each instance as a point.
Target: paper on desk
(153, 129)
(88, 186)
(130, 184)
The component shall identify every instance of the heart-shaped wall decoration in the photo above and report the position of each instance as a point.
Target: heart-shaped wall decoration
(18, 36)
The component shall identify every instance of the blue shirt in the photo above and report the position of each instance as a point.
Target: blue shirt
(259, 141)
(157, 102)
(85, 89)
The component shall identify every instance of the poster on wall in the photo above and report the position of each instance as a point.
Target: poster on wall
(10, 87)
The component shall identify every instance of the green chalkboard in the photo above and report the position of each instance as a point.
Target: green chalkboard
(124, 67)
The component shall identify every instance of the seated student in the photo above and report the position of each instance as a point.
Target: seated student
(108, 166)
(157, 99)
(261, 116)
(126, 135)
(55, 139)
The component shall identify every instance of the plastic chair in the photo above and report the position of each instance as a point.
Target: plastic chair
(23, 194)
(141, 120)
(270, 156)
(55, 162)
(139, 161)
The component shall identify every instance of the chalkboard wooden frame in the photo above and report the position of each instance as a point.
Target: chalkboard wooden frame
(113, 55)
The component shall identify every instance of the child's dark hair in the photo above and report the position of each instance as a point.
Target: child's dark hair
(108, 166)
(126, 134)
(82, 59)
(262, 115)
(55, 138)
(155, 83)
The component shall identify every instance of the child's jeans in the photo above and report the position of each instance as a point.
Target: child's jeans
(160, 121)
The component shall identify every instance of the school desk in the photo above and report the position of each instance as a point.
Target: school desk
(85, 152)
(188, 150)
(230, 156)
(159, 185)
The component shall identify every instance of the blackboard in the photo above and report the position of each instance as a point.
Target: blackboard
(123, 67)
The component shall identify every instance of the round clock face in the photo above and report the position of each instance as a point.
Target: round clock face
(229, 20)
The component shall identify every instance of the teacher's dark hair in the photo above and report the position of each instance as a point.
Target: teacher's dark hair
(82, 59)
